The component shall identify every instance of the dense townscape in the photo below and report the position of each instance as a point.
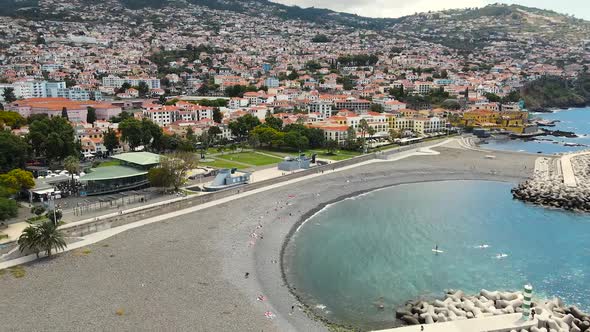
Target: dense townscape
(107, 98)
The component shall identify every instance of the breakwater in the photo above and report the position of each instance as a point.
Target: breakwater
(561, 183)
(551, 315)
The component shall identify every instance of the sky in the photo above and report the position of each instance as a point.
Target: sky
(397, 8)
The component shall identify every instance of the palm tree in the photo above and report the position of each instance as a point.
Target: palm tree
(72, 165)
(29, 240)
(50, 237)
(45, 236)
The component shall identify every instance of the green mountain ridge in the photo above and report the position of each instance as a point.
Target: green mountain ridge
(464, 29)
(311, 14)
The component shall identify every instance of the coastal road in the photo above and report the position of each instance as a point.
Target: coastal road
(188, 273)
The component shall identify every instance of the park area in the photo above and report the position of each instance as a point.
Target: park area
(250, 159)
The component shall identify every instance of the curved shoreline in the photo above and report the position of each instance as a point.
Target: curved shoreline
(308, 215)
(436, 177)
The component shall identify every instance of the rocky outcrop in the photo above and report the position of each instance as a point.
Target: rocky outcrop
(553, 193)
(547, 188)
(552, 315)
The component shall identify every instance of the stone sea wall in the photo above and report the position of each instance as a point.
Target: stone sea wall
(547, 187)
(552, 315)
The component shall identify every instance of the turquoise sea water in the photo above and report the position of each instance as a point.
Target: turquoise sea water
(377, 248)
(574, 120)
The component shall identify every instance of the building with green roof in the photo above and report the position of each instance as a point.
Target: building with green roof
(130, 174)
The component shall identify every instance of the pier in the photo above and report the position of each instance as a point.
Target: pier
(502, 323)
(559, 182)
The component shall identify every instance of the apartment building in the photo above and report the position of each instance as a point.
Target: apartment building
(116, 82)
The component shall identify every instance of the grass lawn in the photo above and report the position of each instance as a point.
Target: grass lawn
(322, 153)
(222, 163)
(110, 163)
(251, 158)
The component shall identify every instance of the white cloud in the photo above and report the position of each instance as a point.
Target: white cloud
(384, 8)
(397, 8)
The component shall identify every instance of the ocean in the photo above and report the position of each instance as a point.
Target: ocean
(575, 120)
(376, 248)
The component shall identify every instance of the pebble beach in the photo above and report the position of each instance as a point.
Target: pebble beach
(218, 269)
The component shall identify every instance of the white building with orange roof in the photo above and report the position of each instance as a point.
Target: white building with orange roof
(393, 106)
(77, 110)
(163, 116)
(332, 131)
(237, 102)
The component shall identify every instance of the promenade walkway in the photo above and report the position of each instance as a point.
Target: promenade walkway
(501, 323)
(101, 235)
(569, 176)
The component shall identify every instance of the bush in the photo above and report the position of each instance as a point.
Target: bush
(8, 208)
(38, 210)
(37, 219)
(58, 215)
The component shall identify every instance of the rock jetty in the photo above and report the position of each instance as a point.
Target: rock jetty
(548, 187)
(552, 315)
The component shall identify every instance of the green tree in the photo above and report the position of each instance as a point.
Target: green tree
(185, 145)
(8, 208)
(38, 210)
(143, 89)
(9, 95)
(217, 116)
(122, 116)
(296, 140)
(152, 134)
(275, 123)
(131, 132)
(52, 138)
(236, 91)
(64, 113)
(365, 129)
(253, 141)
(351, 139)
(43, 237)
(394, 134)
(204, 142)
(331, 146)
(91, 115)
(72, 165)
(159, 177)
(124, 87)
(177, 166)
(492, 97)
(242, 126)
(213, 131)
(51, 238)
(29, 240)
(315, 137)
(24, 179)
(111, 141)
(320, 39)
(377, 108)
(12, 119)
(54, 215)
(14, 151)
(190, 135)
(265, 135)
